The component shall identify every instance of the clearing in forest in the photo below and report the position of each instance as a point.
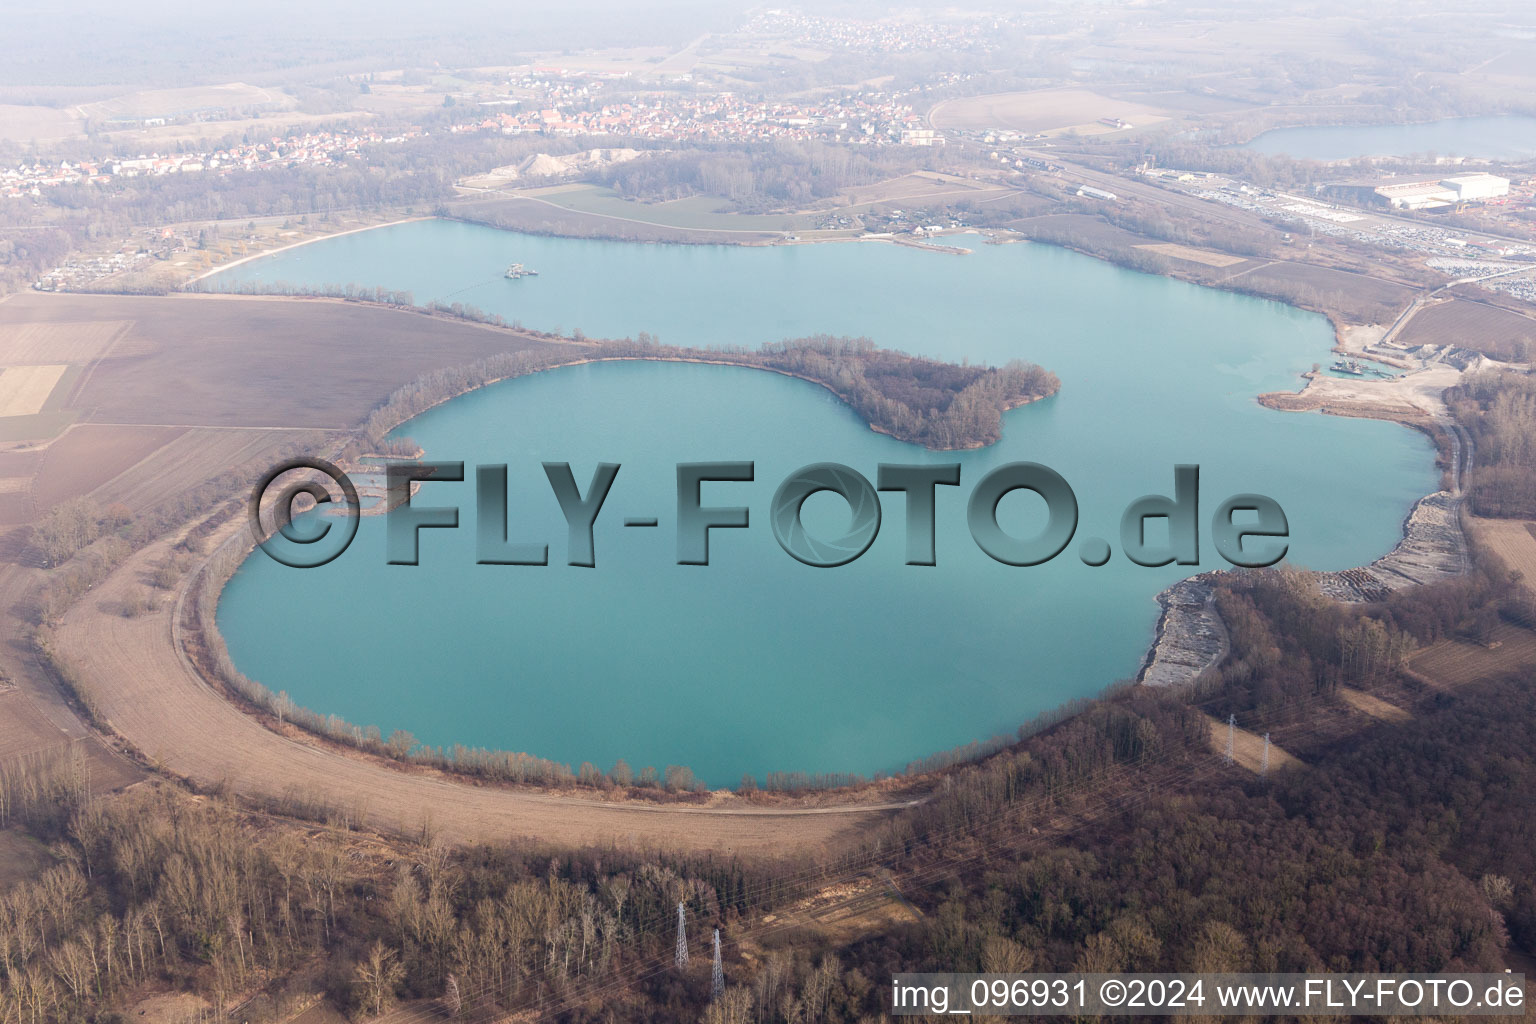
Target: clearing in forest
(1248, 748)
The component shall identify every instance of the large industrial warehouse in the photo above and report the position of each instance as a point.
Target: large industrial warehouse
(1430, 195)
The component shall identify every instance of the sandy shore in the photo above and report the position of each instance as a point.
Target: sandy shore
(308, 241)
(148, 693)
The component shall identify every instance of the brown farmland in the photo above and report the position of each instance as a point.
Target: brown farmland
(192, 456)
(1513, 541)
(1498, 333)
(1042, 110)
(1451, 664)
(87, 456)
(1355, 297)
(223, 361)
(25, 341)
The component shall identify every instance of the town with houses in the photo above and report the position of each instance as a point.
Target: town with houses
(314, 148)
(664, 108)
(866, 117)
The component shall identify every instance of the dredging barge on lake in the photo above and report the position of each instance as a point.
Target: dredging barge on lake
(1354, 368)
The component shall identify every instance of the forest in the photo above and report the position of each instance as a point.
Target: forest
(1498, 408)
(1112, 840)
(761, 178)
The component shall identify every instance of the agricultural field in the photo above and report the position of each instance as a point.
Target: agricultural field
(1190, 255)
(25, 123)
(1043, 111)
(40, 367)
(194, 360)
(23, 729)
(141, 371)
(87, 456)
(230, 96)
(24, 389)
(1354, 297)
(79, 343)
(1498, 333)
(190, 457)
(1513, 541)
(1452, 664)
(122, 114)
(918, 187)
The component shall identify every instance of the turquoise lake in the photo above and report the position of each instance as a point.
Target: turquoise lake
(757, 663)
(1485, 138)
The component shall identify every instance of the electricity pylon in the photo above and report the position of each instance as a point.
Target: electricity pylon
(717, 977)
(682, 938)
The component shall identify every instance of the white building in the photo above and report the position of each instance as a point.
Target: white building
(1430, 195)
(1417, 195)
(1477, 186)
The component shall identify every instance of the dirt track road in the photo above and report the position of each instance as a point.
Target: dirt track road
(152, 698)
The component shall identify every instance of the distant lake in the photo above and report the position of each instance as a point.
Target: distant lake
(756, 662)
(1484, 138)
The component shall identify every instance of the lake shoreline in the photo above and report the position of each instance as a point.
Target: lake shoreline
(274, 250)
(1148, 277)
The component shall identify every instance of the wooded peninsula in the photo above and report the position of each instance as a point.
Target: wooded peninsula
(941, 406)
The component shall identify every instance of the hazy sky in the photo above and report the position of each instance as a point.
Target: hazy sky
(89, 42)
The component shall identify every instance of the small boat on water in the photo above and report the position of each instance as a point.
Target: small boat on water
(517, 270)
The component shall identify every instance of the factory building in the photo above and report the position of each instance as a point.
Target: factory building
(1477, 186)
(1431, 195)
